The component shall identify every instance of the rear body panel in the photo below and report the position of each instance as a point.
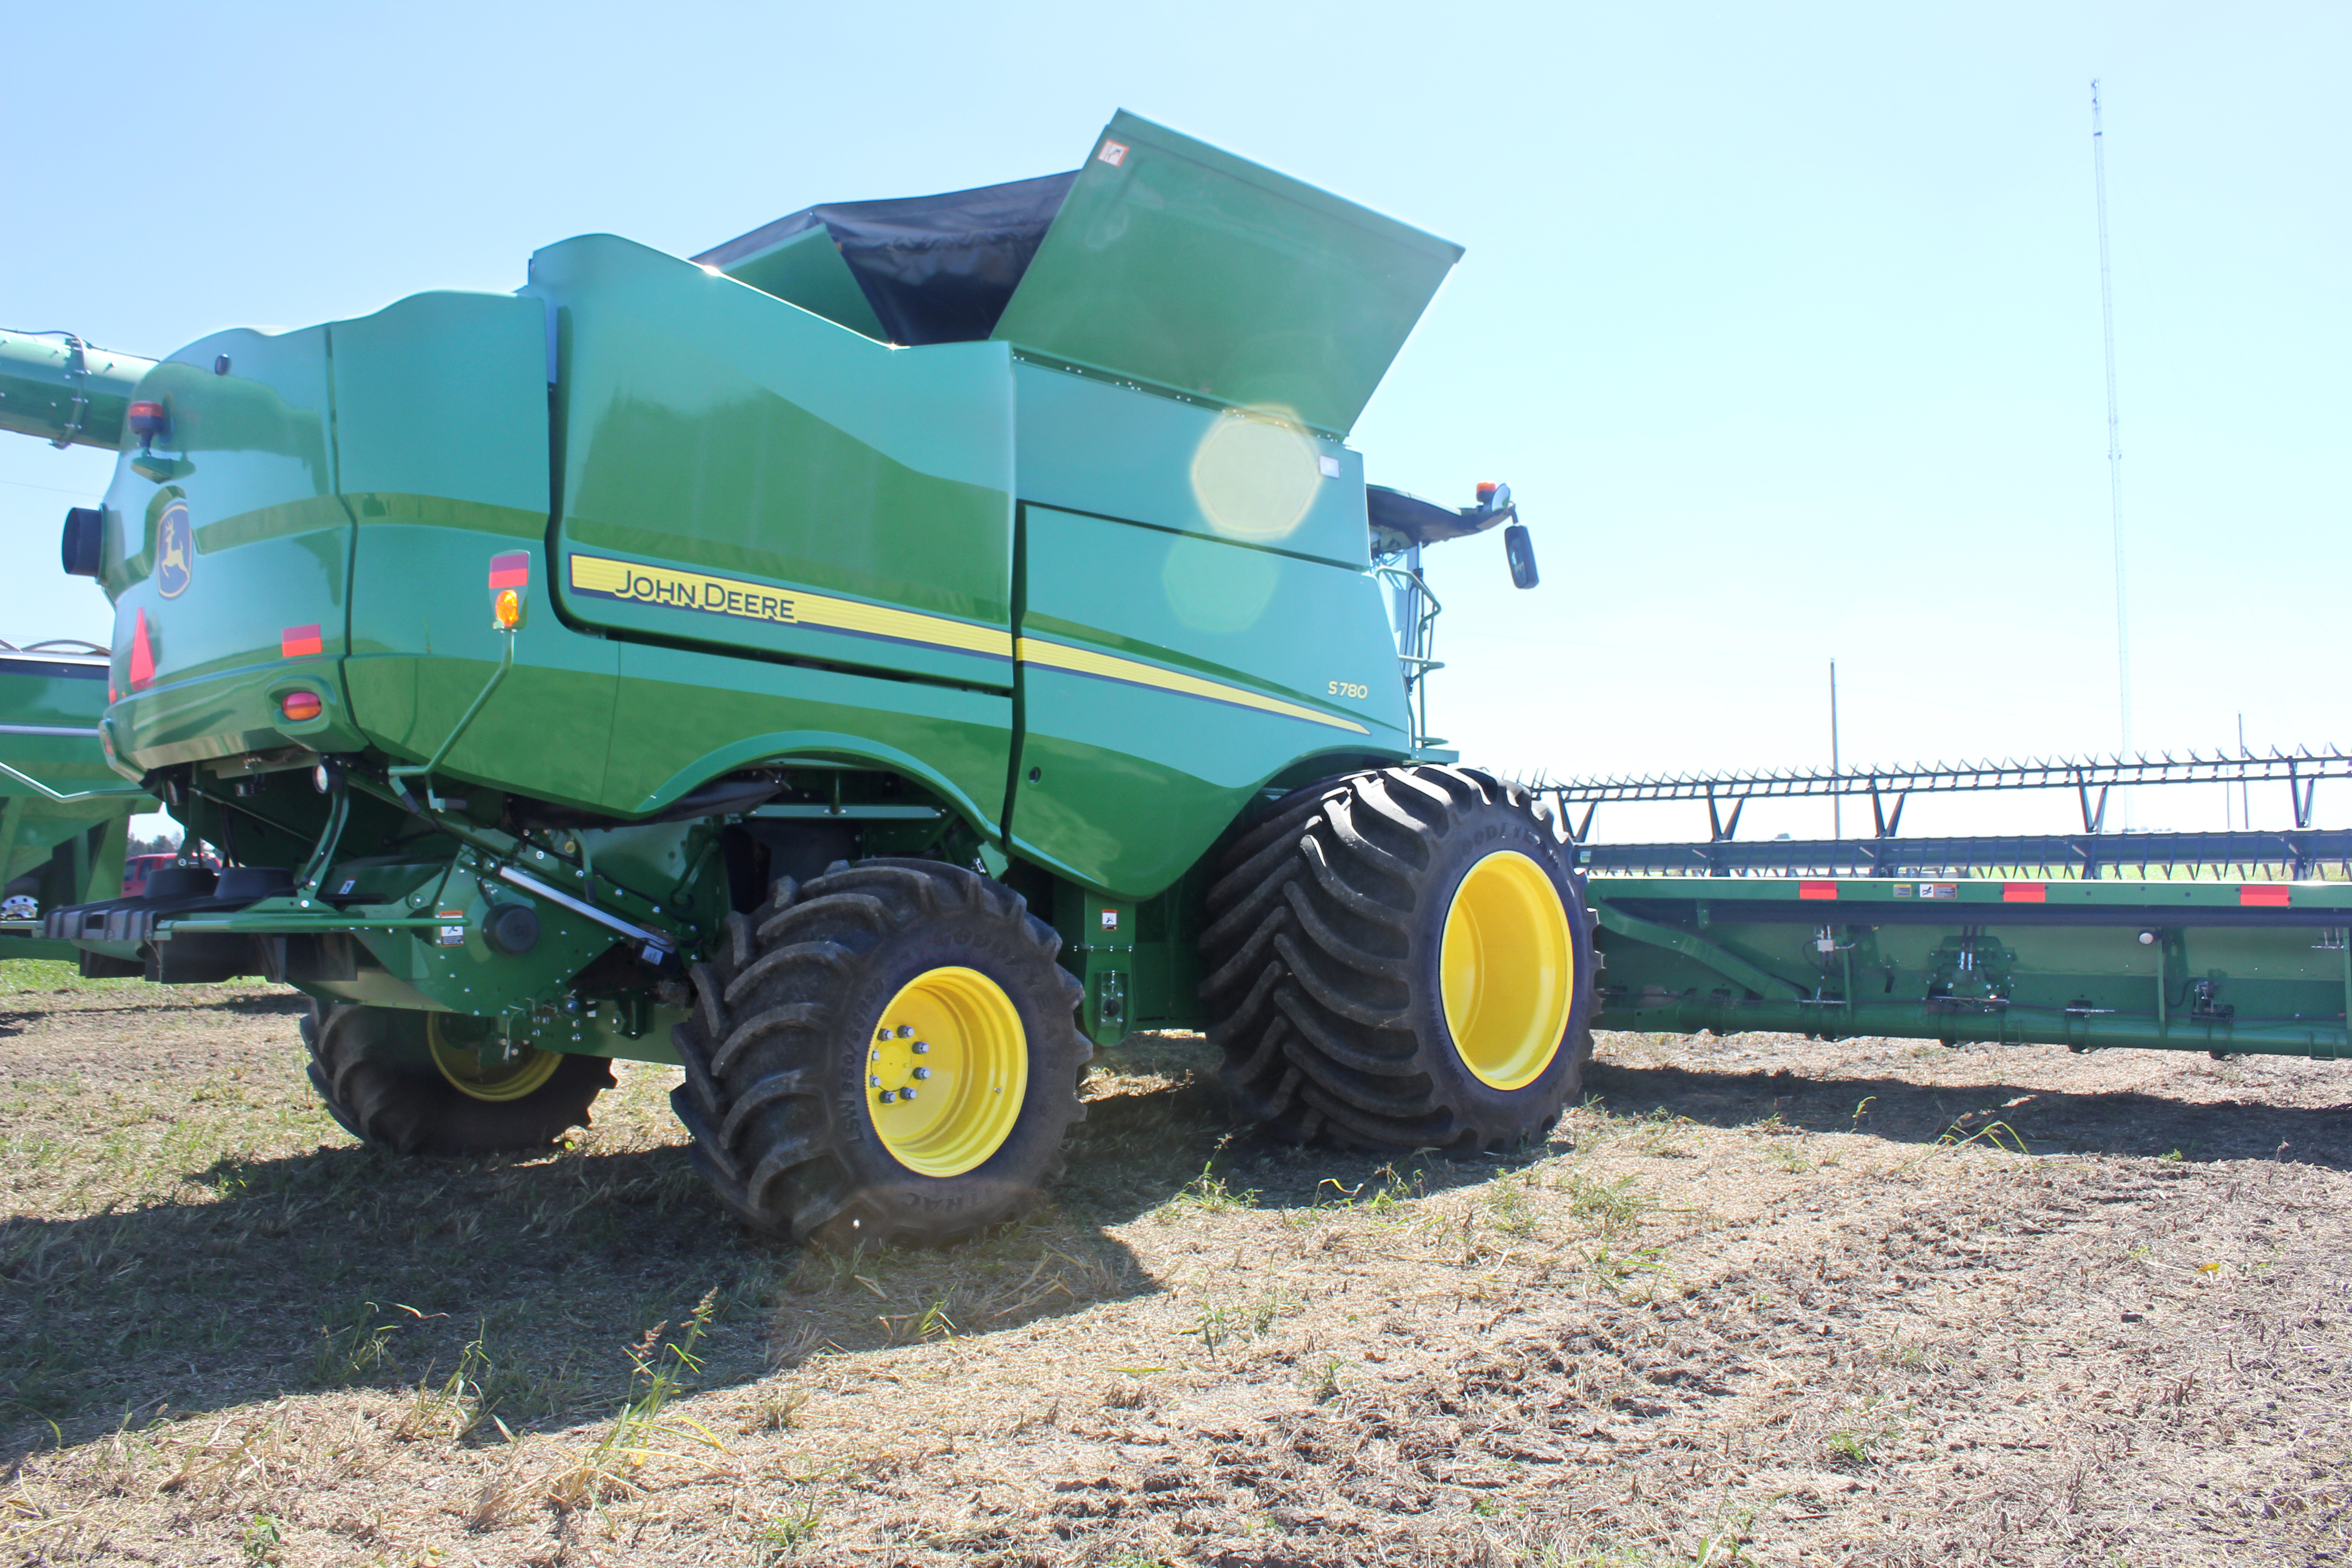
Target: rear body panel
(441, 433)
(224, 536)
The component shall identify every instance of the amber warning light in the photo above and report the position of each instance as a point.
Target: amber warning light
(510, 580)
(300, 706)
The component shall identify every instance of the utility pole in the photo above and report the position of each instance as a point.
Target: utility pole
(1837, 802)
(2114, 446)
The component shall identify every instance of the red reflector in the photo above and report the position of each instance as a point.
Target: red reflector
(2024, 893)
(1817, 890)
(300, 705)
(300, 642)
(511, 571)
(2270, 894)
(143, 655)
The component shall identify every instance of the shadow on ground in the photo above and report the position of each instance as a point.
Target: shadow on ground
(534, 1278)
(2048, 1121)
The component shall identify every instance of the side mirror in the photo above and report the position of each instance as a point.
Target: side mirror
(80, 547)
(1521, 553)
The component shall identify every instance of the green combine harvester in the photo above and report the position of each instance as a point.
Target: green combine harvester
(866, 665)
(63, 816)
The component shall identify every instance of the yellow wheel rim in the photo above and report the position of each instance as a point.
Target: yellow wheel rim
(946, 1071)
(480, 1064)
(1507, 970)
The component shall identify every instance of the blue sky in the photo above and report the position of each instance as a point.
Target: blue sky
(1783, 322)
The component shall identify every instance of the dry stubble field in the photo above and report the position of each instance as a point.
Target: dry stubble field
(1759, 1301)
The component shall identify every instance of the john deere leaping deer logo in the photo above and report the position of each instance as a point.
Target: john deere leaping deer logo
(175, 550)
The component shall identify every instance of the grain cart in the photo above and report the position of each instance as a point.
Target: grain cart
(864, 665)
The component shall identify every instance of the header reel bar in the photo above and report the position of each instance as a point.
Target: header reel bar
(2300, 769)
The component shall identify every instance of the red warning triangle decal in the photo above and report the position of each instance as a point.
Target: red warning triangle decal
(143, 655)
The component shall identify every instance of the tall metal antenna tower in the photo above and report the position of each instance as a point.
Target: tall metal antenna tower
(2114, 444)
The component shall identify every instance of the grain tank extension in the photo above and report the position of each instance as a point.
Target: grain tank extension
(864, 665)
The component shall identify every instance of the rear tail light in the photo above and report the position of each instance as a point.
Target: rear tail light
(300, 706)
(510, 580)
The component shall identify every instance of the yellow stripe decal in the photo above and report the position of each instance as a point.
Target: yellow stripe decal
(667, 586)
(1085, 661)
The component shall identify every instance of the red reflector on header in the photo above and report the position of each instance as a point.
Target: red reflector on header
(2024, 893)
(300, 706)
(1817, 890)
(300, 642)
(511, 571)
(2270, 894)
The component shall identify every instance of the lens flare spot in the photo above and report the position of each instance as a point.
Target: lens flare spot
(1214, 587)
(1256, 476)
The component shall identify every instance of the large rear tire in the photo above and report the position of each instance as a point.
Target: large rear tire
(887, 1057)
(1400, 960)
(422, 1083)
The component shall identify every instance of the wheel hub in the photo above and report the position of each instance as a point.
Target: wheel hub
(481, 1063)
(1508, 970)
(946, 1072)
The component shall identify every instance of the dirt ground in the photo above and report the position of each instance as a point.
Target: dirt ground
(1759, 1301)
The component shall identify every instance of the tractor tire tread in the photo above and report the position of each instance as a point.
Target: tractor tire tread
(764, 1130)
(382, 1096)
(1313, 1004)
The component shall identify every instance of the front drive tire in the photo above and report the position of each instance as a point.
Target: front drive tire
(421, 1083)
(876, 979)
(1400, 960)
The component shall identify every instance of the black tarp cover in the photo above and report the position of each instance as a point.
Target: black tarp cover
(937, 269)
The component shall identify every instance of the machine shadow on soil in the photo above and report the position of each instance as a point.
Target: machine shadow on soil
(346, 1266)
(2044, 1121)
(530, 1275)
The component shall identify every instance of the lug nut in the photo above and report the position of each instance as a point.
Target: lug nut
(907, 1093)
(922, 1072)
(906, 1031)
(874, 1056)
(887, 1097)
(881, 1034)
(922, 1047)
(871, 1081)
